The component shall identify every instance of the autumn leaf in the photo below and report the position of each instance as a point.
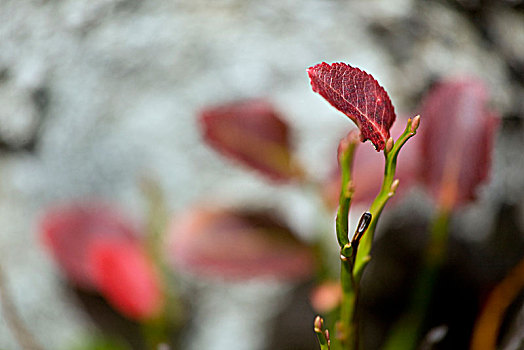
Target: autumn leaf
(69, 230)
(220, 243)
(359, 96)
(253, 133)
(457, 140)
(126, 277)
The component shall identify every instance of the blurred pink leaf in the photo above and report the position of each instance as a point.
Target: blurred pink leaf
(326, 296)
(126, 277)
(457, 136)
(253, 133)
(69, 231)
(359, 96)
(368, 171)
(237, 245)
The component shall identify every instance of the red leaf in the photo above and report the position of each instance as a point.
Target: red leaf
(235, 245)
(358, 95)
(253, 133)
(126, 277)
(457, 138)
(368, 172)
(69, 230)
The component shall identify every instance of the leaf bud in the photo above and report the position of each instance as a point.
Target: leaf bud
(389, 145)
(415, 123)
(319, 324)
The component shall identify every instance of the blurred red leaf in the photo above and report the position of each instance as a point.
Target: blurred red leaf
(237, 245)
(126, 277)
(253, 133)
(359, 96)
(457, 139)
(69, 230)
(368, 171)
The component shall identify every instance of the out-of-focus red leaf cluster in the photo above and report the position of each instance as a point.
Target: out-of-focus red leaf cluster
(126, 277)
(457, 136)
(253, 133)
(100, 250)
(235, 244)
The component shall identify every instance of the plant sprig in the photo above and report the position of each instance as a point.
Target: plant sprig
(354, 253)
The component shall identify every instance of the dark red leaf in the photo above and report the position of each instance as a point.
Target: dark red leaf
(235, 245)
(457, 138)
(126, 277)
(69, 230)
(359, 96)
(252, 132)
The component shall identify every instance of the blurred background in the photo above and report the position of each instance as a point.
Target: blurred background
(96, 95)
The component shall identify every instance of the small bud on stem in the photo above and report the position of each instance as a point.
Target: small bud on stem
(415, 123)
(389, 145)
(394, 187)
(319, 324)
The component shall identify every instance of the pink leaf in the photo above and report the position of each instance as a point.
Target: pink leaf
(253, 133)
(358, 95)
(457, 138)
(69, 230)
(125, 276)
(236, 245)
(326, 296)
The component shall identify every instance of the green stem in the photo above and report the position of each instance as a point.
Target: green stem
(344, 326)
(355, 255)
(361, 255)
(346, 152)
(347, 324)
(157, 330)
(324, 344)
(407, 331)
(389, 185)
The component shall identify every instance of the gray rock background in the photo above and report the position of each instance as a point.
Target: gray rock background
(111, 88)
